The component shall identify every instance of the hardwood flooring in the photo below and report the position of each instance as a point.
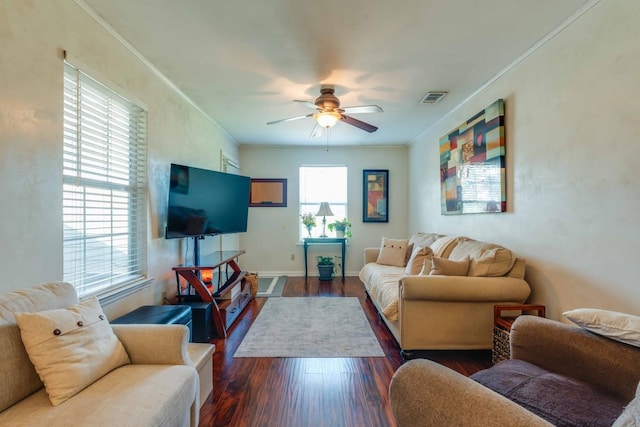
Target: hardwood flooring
(312, 392)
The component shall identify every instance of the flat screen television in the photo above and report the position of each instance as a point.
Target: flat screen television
(206, 203)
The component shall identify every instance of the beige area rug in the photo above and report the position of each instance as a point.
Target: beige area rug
(310, 327)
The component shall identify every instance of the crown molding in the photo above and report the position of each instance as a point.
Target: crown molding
(570, 20)
(112, 31)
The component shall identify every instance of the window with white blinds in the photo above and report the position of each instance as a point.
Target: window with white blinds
(104, 186)
(322, 184)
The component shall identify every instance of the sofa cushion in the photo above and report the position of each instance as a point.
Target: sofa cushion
(382, 282)
(611, 324)
(132, 395)
(417, 260)
(19, 377)
(70, 348)
(443, 246)
(447, 267)
(518, 269)
(561, 400)
(393, 252)
(424, 239)
(487, 259)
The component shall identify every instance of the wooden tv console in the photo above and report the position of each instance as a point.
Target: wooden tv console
(228, 293)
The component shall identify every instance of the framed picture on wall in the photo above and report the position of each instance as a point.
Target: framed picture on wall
(472, 164)
(375, 195)
(268, 192)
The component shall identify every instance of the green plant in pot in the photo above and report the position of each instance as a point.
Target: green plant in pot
(326, 267)
(309, 221)
(342, 227)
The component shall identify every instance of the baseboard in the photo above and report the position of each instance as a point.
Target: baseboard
(312, 273)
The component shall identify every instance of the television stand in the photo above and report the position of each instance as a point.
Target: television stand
(227, 292)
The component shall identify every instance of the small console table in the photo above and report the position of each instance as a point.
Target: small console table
(325, 241)
(228, 293)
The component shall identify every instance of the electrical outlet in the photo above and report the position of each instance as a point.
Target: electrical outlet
(293, 257)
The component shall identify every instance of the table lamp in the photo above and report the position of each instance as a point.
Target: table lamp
(324, 212)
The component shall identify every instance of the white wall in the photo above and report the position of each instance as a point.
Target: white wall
(33, 35)
(573, 158)
(272, 236)
(572, 124)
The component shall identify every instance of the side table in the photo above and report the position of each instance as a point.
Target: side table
(325, 241)
(503, 318)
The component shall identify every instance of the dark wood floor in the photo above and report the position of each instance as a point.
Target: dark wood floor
(312, 392)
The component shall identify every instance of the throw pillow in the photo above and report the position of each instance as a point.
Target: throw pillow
(447, 267)
(407, 255)
(393, 252)
(70, 348)
(487, 259)
(611, 324)
(427, 266)
(417, 260)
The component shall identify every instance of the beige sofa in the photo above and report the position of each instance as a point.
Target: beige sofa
(157, 388)
(558, 374)
(438, 312)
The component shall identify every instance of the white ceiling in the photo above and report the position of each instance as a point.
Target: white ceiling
(243, 62)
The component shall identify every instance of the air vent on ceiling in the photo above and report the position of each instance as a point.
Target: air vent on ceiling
(433, 97)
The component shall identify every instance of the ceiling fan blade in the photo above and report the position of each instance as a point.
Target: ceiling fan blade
(290, 119)
(307, 103)
(363, 109)
(317, 131)
(359, 124)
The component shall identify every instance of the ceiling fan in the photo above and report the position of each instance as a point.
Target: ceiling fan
(328, 112)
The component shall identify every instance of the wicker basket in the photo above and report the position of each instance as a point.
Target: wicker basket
(502, 327)
(501, 345)
(252, 279)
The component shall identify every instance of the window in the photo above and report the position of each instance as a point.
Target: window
(104, 187)
(322, 184)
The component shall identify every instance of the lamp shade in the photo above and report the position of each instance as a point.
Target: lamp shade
(325, 209)
(327, 119)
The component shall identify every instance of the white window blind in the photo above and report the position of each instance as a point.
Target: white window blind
(104, 186)
(322, 184)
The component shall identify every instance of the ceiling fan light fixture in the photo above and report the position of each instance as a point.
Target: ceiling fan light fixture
(328, 112)
(327, 119)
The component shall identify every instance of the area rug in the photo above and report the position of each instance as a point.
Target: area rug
(271, 286)
(310, 327)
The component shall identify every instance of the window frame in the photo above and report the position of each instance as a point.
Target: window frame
(104, 207)
(339, 208)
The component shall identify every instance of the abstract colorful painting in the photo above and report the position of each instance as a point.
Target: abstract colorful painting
(472, 164)
(375, 203)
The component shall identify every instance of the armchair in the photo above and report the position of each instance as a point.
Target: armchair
(558, 374)
(159, 387)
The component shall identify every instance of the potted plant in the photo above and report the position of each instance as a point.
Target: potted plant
(326, 266)
(309, 221)
(342, 227)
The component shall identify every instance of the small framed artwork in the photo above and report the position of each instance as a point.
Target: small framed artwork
(375, 195)
(268, 192)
